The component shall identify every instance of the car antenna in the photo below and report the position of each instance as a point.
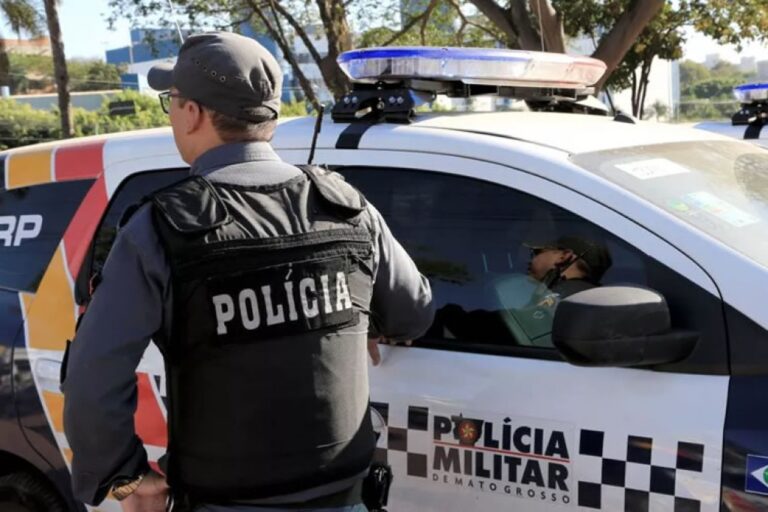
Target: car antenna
(176, 21)
(316, 132)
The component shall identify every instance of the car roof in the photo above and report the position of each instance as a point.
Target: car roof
(571, 133)
(574, 133)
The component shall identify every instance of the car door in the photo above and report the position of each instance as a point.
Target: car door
(50, 314)
(473, 418)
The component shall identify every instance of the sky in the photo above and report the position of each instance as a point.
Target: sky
(86, 35)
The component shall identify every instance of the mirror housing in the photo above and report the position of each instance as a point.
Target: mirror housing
(618, 326)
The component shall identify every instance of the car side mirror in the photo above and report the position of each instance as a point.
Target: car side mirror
(618, 326)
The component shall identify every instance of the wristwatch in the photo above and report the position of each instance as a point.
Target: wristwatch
(124, 487)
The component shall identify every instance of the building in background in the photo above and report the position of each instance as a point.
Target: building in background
(712, 59)
(290, 91)
(36, 46)
(307, 64)
(748, 64)
(762, 70)
(148, 46)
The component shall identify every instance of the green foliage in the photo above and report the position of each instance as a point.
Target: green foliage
(21, 124)
(708, 94)
(713, 89)
(35, 73)
(730, 21)
(726, 21)
(446, 24)
(293, 109)
(93, 75)
(692, 72)
(693, 110)
(22, 16)
(148, 114)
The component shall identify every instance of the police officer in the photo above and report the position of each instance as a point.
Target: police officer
(568, 265)
(260, 283)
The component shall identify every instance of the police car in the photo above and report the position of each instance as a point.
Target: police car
(650, 393)
(748, 122)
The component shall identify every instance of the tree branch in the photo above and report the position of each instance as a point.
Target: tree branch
(408, 26)
(423, 27)
(466, 22)
(300, 31)
(500, 18)
(305, 84)
(334, 18)
(528, 36)
(623, 35)
(551, 24)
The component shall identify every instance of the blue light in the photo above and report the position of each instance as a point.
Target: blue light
(749, 93)
(752, 87)
(399, 52)
(489, 66)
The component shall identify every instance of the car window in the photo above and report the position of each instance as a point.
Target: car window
(129, 194)
(719, 187)
(474, 241)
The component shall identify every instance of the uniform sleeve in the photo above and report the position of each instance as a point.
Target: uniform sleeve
(100, 389)
(401, 306)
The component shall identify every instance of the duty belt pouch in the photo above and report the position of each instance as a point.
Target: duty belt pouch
(376, 487)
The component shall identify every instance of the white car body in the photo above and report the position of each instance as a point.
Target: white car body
(551, 435)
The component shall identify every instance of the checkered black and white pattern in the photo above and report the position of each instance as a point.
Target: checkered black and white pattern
(641, 478)
(405, 439)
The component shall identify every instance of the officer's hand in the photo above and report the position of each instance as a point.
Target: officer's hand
(373, 347)
(151, 496)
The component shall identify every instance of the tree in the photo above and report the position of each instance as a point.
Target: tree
(691, 72)
(662, 38)
(34, 73)
(59, 66)
(286, 21)
(519, 21)
(271, 16)
(22, 17)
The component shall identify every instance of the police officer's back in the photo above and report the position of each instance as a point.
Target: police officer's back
(258, 281)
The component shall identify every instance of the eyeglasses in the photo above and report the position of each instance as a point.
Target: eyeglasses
(538, 250)
(165, 100)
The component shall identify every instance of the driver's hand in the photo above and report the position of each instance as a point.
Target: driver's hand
(373, 347)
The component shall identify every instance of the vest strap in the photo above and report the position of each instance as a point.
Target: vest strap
(192, 206)
(343, 199)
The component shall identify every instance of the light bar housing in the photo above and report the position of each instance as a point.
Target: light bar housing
(479, 66)
(750, 93)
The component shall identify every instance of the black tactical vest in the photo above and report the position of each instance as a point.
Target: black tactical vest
(266, 361)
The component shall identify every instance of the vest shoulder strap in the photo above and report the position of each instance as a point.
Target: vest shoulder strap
(341, 197)
(191, 206)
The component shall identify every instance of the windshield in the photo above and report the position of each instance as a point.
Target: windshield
(720, 187)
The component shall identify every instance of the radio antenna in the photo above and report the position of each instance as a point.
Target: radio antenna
(176, 21)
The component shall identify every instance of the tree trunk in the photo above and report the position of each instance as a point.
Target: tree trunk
(59, 66)
(645, 72)
(499, 17)
(334, 17)
(5, 65)
(278, 36)
(551, 24)
(635, 93)
(624, 34)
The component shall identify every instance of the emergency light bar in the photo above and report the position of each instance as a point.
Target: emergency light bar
(749, 93)
(480, 66)
(754, 106)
